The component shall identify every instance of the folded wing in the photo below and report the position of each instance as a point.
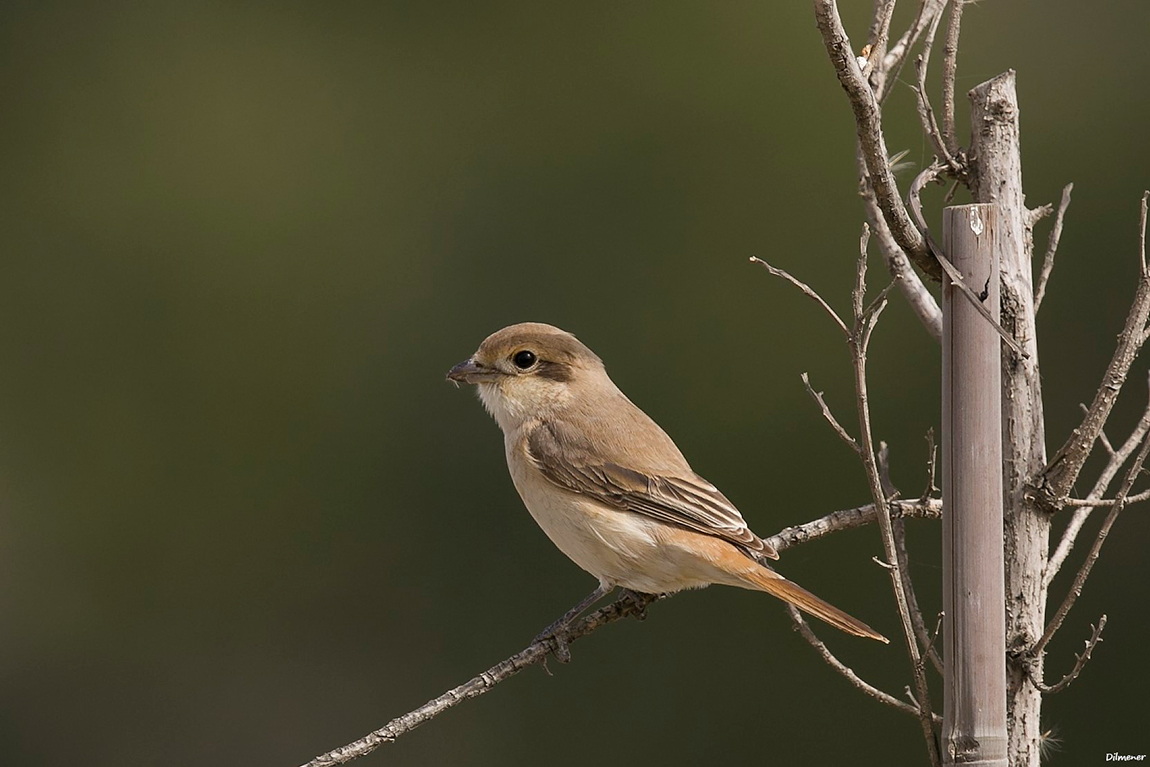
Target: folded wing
(682, 499)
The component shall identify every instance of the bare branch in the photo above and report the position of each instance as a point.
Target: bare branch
(858, 295)
(1053, 485)
(880, 31)
(868, 123)
(534, 653)
(1136, 498)
(848, 519)
(949, 67)
(1079, 662)
(1095, 548)
(903, 559)
(921, 302)
(893, 61)
(808, 634)
(827, 414)
(899, 528)
(537, 651)
(807, 290)
(925, 112)
(1117, 460)
(932, 455)
(1142, 234)
(859, 340)
(1052, 248)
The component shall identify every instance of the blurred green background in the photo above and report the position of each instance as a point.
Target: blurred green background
(244, 520)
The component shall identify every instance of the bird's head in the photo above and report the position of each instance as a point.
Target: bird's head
(528, 370)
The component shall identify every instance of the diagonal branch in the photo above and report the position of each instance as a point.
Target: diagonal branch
(1053, 485)
(808, 634)
(880, 31)
(1092, 557)
(893, 61)
(807, 291)
(537, 652)
(534, 653)
(868, 124)
(817, 396)
(1115, 463)
(1052, 248)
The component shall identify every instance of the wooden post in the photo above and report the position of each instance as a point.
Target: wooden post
(974, 644)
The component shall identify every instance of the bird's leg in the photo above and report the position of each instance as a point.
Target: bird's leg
(556, 629)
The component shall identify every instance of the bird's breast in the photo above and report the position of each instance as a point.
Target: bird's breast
(616, 546)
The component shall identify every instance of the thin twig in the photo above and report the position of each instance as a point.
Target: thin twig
(922, 303)
(858, 295)
(1051, 248)
(537, 652)
(1095, 548)
(827, 414)
(925, 112)
(807, 290)
(1115, 463)
(868, 122)
(858, 344)
(808, 634)
(899, 529)
(892, 63)
(880, 32)
(1053, 486)
(1136, 498)
(1079, 662)
(1103, 438)
(932, 455)
(949, 67)
(1142, 234)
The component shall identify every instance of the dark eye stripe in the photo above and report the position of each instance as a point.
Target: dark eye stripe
(555, 371)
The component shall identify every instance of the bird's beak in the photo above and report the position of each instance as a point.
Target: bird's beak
(471, 372)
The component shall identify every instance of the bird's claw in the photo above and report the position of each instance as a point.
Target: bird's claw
(638, 603)
(559, 645)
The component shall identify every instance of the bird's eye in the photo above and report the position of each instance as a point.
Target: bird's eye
(524, 359)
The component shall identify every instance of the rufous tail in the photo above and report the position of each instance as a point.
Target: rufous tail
(776, 585)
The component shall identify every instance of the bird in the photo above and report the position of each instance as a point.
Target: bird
(609, 487)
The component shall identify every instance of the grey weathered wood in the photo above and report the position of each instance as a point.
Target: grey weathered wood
(997, 177)
(974, 662)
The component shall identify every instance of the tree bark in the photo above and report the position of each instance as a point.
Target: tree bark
(997, 177)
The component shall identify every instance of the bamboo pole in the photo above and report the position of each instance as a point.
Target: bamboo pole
(974, 641)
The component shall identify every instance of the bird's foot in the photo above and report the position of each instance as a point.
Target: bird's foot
(639, 602)
(555, 634)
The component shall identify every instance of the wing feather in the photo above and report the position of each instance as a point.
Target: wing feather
(685, 500)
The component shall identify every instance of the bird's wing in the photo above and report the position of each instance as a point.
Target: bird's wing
(686, 501)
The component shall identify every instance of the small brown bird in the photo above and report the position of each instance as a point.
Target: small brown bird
(608, 486)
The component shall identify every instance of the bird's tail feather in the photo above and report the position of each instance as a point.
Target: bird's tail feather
(791, 593)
